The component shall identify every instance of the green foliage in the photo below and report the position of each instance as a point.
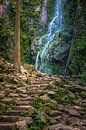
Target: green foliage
(83, 78)
(37, 124)
(29, 24)
(74, 17)
(78, 52)
(40, 118)
(38, 103)
(63, 96)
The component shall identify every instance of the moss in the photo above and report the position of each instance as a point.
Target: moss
(78, 52)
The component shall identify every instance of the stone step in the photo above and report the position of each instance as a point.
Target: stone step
(29, 98)
(21, 90)
(20, 125)
(44, 85)
(36, 88)
(35, 95)
(37, 85)
(54, 113)
(36, 92)
(40, 82)
(16, 112)
(1, 95)
(43, 80)
(32, 86)
(8, 126)
(9, 118)
(7, 100)
(21, 108)
(23, 103)
(23, 95)
(13, 95)
(1, 87)
(60, 127)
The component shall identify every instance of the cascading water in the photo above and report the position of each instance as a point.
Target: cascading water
(53, 28)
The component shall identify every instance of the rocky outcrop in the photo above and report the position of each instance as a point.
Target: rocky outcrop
(54, 59)
(44, 12)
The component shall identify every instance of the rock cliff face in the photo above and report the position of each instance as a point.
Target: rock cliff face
(52, 48)
(74, 15)
(59, 54)
(44, 12)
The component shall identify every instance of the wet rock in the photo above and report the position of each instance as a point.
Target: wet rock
(71, 95)
(31, 110)
(1, 95)
(77, 107)
(22, 125)
(45, 98)
(76, 129)
(23, 95)
(59, 81)
(54, 113)
(29, 120)
(51, 93)
(13, 95)
(7, 100)
(80, 88)
(83, 94)
(52, 121)
(84, 101)
(74, 112)
(58, 118)
(60, 127)
(45, 128)
(21, 90)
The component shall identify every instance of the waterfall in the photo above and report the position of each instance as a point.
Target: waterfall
(37, 60)
(54, 27)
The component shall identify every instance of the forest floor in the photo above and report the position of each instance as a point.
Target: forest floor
(31, 100)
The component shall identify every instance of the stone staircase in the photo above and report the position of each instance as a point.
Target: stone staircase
(15, 102)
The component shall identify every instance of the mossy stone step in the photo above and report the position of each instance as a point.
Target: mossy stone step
(60, 127)
(23, 95)
(36, 92)
(7, 100)
(21, 108)
(54, 113)
(13, 95)
(8, 126)
(2, 95)
(16, 112)
(40, 82)
(23, 103)
(9, 118)
(28, 98)
(19, 125)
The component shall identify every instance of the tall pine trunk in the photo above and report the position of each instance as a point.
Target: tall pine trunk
(17, 34)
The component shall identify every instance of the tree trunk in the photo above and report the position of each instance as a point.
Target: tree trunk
(17, 34)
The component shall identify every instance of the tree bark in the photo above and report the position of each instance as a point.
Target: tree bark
(17, 33)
